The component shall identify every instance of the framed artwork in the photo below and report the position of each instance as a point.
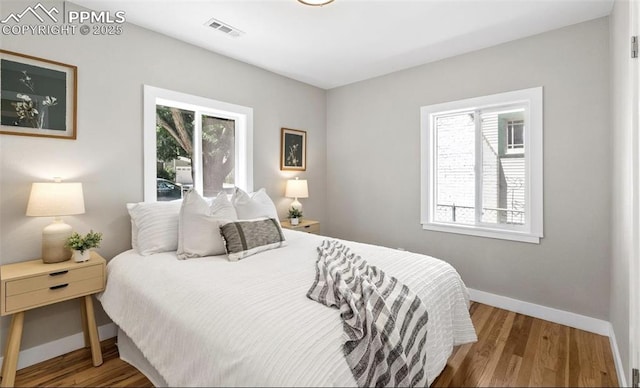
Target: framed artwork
(38, 97)
(293, 150)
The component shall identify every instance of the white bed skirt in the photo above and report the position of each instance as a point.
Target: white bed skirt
(130, 354)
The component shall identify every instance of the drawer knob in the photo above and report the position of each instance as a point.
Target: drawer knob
(58, 273)
(58, 286)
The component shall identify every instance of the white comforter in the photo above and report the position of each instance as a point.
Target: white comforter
(212, 322)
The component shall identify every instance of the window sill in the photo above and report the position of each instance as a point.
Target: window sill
(484, 232)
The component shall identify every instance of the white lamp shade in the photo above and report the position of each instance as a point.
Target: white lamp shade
(55, 199)
(297, 188)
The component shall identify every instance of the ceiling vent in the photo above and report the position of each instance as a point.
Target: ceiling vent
(224, 28)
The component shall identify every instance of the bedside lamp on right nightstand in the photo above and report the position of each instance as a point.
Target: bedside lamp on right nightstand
(296, 188)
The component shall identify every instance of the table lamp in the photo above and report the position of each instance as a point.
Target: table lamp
(297, 188)
(55, 199)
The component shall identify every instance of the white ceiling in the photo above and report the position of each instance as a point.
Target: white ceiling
(351, 40)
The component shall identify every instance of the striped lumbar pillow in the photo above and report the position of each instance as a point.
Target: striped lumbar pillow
(248, 237)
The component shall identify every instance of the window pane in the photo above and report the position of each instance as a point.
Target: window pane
(503, 174)
(174, 148)
(455, 181)
(518, 133)
(218, 155)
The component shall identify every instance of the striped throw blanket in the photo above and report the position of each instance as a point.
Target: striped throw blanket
(384, 322)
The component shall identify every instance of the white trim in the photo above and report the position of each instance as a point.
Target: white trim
(617, 360)
(61, 346)
(582, 322)
(149, 143)
(479, 231)
(532, 231)
(633, 70)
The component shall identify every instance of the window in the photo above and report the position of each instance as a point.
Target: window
(482, 166)
(194, 142)
(515, 136)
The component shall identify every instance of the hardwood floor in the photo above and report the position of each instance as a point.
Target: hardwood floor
(76, 369)
(515, 350)
(512, 350)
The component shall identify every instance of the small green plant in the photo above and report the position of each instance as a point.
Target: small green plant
(295, 213)
(81, 243)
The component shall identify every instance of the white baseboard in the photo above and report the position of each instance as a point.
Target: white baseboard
(59, 347)
(617, 360)
(582, 322)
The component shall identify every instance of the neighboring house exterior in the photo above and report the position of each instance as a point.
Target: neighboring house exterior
(503, 167)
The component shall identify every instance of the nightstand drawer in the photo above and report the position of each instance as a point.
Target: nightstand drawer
(55, 293)
(313, 228)
(305, 225)
(54, 278)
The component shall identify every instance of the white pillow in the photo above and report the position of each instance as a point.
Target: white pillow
(154, 226)
(256, 205)
(199, 225)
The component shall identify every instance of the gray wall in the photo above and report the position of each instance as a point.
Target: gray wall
(107, 156)
(373, 166)
(624, 179)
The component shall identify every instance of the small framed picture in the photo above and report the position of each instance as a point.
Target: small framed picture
(38, 97)
(293, 150)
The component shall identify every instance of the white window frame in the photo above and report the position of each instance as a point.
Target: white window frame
(242, 115)
(532, 230)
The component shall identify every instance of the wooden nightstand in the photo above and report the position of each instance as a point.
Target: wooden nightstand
(305, 225)
(31, 284)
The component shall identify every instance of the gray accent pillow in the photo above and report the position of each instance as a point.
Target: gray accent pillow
(248, 237)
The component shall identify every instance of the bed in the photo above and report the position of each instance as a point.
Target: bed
(215, 293)
(212, 322)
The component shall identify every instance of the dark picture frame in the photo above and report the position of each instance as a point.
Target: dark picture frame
(38, 97)
(293, 150)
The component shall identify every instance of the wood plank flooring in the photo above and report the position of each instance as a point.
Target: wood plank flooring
(515, 350)
(76, 369)
(512, 350)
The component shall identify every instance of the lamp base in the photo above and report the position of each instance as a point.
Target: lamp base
(296, 204)
(54, 237)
